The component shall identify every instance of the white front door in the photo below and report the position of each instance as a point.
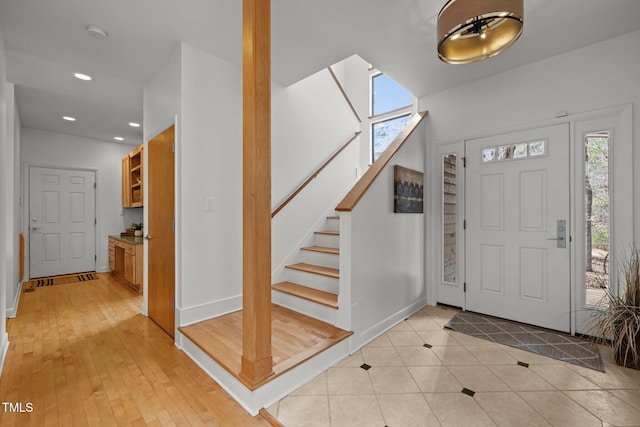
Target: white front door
(517, 206)
(61, 221)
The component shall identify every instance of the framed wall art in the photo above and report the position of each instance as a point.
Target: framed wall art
(408, 187)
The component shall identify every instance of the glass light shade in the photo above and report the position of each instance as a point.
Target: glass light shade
(475, 30)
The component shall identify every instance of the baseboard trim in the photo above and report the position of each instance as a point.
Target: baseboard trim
(4, 349)
(13, 310)
(198, 313)
(360, 339)
(272, 392)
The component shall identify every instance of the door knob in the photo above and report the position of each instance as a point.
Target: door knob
(147, 237)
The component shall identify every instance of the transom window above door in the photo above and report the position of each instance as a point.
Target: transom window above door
(521, 150)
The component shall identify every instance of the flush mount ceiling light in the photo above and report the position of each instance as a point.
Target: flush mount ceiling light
(69, 118)
(475, 30)
(96, 32)
(118, 138)
(134, 124)
(81, 76)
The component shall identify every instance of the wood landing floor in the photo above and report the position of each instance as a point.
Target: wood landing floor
(295, 338)
(82, 354)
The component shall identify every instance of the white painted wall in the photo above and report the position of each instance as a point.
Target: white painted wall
(161, 101)
(387, 251)
(592, 78)
(356, 85)
(205, 94)
(310, 121)
(6, 175)
(40, 148)
(14, 218)
(161, 96)
(597, 76)
(210, 166)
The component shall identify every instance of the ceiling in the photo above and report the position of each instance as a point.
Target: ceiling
(46, 43)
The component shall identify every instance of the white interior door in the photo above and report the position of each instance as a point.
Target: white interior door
(61, 221)
(517, 210)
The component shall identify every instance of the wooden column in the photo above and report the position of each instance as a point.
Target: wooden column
(257, 360)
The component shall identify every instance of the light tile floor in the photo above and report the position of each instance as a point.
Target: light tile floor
(409, 384)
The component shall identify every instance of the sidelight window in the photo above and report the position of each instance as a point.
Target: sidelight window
(597, 215)
(449, 219)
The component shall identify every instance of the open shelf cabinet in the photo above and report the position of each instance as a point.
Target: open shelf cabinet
(132, 179)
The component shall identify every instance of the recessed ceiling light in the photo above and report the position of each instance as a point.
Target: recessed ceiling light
(134, 124)
(96, 32)
(118, 138)
(82, 76)
(69, 118)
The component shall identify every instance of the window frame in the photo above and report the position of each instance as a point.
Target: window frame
(404, 113)
(388, 115)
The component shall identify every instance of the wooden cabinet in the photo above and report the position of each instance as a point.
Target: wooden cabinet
(126, 186)
(125, 259)
(132, 178)
(129, 267)
(112, 254)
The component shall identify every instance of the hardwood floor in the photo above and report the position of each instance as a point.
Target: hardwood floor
(82, 354)
(295, 339)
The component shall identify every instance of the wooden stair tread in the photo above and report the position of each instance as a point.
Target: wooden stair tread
(333, 217)
(322, 249)
(315, 269)
(328, 232)
(309, 294)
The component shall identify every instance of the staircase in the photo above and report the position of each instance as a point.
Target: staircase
(312, 283)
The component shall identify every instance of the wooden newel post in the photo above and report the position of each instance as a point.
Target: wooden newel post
(257, 360)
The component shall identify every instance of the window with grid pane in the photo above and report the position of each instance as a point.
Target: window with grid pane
(390, 111)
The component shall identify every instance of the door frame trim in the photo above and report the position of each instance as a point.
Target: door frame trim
(26, 194)
(623, 112)
(458, 149)
(619, 121)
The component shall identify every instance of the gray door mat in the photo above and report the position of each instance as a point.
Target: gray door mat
(556, 345)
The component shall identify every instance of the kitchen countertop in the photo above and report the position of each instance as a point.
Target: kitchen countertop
(133, 240)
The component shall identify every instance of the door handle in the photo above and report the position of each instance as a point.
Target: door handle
(35, 228)
(561, 233)
(147, 237)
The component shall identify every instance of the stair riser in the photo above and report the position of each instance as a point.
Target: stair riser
(320, 258)
(311, 280)
(312, 309)
(332, 225)
(326, 240)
